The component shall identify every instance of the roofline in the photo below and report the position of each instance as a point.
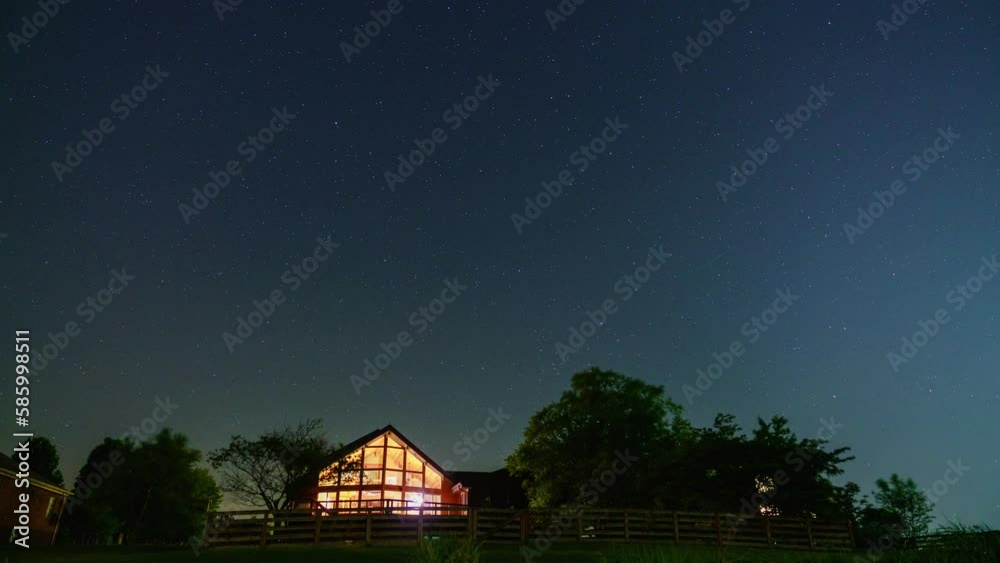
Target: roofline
(347, 449)
(51, 487)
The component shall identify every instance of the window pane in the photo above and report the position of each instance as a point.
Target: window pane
(394, 478)
(414, 479)
(394, 458)
(373, 458)
(433, 479)
(396, 495)
(350, 478)
(373, 477)
(393, 443)
(413, 463)
(380, 441)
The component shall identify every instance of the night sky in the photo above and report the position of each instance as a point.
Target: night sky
(392, 247)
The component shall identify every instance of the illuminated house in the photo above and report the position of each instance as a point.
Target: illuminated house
(384, 470)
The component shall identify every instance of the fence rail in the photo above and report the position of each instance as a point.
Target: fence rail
(263, 527)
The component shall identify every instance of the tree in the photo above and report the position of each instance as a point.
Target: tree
(45, 459)
(600, 442)
(151, 492)
(901, 502)
(170, 494)
(276, 469)
(94, 514)
(722, 470)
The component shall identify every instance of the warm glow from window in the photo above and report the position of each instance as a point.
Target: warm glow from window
(394, 478)
(373, 458)
(432, 480)
(414, 479)
(394, 458)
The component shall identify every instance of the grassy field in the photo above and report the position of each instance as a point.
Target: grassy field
(559, 553)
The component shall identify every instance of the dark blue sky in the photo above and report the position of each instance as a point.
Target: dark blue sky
(495, 345)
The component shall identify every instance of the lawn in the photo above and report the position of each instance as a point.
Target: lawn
(559, 553)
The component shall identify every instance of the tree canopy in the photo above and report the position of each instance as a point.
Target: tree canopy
(570, 445)
(152, 492)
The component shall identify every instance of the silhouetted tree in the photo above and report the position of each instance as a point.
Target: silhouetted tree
(276, 469)
(607, 428)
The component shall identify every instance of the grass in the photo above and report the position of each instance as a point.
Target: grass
(962, 545)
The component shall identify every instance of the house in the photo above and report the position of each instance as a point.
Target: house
(45, 504)
(384, 470)
(492, 489)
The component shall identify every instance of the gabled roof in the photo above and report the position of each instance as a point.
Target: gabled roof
(360, 442)
(9, 467)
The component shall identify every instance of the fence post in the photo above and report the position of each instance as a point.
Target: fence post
(809, 533)
(579, 525)
(319, 516)
(473, 522)
(767, 529)
(677, 530)
(850, 530)
(368, 527)
(524, 527)
(626, 526)
(718, 528)
(420, 523)
(263, 530)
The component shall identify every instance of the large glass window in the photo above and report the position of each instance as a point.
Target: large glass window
(394, 458)
(392, 443)
(373, 477)
(414, 479)
(413, 463)
(433, 479)
(394, 478)
(348, 500)
(371, 499)
(373, 458)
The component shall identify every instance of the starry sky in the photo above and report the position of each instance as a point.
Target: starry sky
(219, 80)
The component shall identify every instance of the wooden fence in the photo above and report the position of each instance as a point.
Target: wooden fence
(262, 527)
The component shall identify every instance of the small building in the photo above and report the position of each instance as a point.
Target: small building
(384, 470)
(45, 504)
